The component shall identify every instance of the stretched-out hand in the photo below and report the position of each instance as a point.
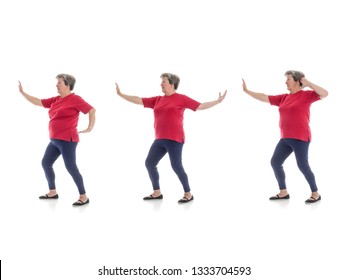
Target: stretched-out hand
(221, 97)
(20, 87)
(118, 89)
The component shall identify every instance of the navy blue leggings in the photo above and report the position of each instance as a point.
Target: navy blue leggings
(283, 149)
(68, 150)
(157, 151)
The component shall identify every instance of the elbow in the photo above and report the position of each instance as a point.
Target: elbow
(200, 107)
(324, 94)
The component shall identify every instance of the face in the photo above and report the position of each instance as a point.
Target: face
(61, 87)
(165, 85)
(292, 86)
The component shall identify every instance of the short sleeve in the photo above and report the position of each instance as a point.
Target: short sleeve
(149, 102)
(276, 100)
(47, 103)
(82, 105)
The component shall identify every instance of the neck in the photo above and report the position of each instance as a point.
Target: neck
(295, 90)
(168, 93)
(64, 94)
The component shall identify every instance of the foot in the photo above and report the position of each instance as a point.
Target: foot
(314, 198)
(80, 202)
(52, 194)
(83, 199)
(186, 199)
(155, 195)
(283, 194)
(150, 197)
(278, 196)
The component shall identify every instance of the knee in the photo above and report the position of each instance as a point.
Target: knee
(45, 163)
(149, 164)
(274, 163)
(177, 166)
(304, 166)
(71, 168)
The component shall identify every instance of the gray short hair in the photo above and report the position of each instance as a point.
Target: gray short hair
(172, 78)
(297, 75)
(69, 80)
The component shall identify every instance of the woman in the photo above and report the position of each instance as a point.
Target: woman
(294, 109)
(169, 132)
(63, 113)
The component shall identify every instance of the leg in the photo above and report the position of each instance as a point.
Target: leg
(175, 152)
(51, 155)
(68, 151)
(281, 153)
(155, 154)
(301, 154)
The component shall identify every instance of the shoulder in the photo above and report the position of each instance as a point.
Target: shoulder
(311, 94)
(182, 96)
(152, 97)
(51, 99)
(76, 98)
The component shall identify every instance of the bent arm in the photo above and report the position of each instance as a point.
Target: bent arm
(91, 121)
(257, 95)
(210, 104)
(34, 100)
(319, 90)
(130, 98)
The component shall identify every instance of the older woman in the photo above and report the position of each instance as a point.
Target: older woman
(64, 114)
(294, 109)
(169, 134)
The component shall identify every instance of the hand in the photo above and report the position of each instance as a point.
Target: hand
(118, 90)
(221, 97)
(20, 87)
(85, 130)
(244, 86)
(305, 82)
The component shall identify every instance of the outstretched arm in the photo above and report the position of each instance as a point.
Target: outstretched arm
(91, 121)
(210, 104)
(34, 100)
(257, 95)
(319, 90)
(133, 99)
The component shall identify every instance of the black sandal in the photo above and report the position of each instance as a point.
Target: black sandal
(49, 197)
(277, 197)
(185, 200)
(151, 197)
(80, 202)
(313, 200)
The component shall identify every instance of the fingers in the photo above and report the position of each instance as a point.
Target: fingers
(20, 86)
(225, 92)
(117, 88)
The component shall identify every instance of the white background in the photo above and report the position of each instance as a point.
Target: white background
(211, 45)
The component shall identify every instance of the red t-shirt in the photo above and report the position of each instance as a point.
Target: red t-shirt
(168, 114)
(63, 114)
(294, 112)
